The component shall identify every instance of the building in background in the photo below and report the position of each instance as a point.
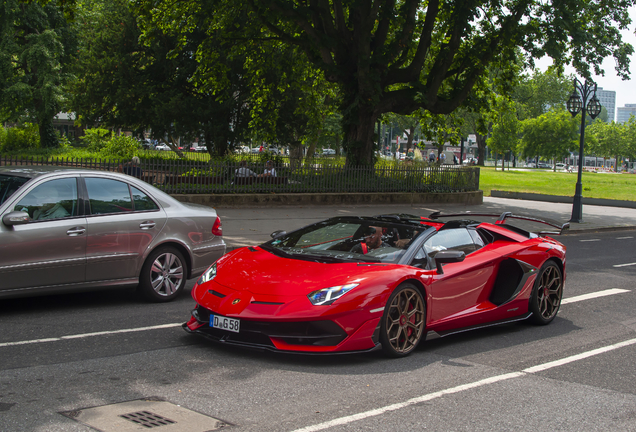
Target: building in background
(624, 113)
(608, 100)
(64, 123)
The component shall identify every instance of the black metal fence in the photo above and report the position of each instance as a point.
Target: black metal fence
(199, 176)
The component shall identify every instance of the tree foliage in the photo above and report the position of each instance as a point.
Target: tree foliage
(506, 128)
(37, 46)
(399, 56)
(151, 86)
(539, 92)
(612, 139)
(551, 135)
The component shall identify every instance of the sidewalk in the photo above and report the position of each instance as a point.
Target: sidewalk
(252, 226)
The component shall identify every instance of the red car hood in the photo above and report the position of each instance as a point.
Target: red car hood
(261, 272)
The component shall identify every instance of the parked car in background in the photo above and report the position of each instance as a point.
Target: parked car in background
(162, 147)
(531, 165)
(544, 165)
(561, 166)
(147, 144)
(328, 152)
(66, 230)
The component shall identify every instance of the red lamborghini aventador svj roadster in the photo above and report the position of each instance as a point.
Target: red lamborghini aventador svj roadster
(360, 283)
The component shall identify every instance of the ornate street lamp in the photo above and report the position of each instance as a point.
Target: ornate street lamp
(580, 102)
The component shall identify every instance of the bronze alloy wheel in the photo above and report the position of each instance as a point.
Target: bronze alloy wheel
(546, 296)
(403, 321)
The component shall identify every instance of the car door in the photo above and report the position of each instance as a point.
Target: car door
(122, 222)
(50, 249)
(457, 293)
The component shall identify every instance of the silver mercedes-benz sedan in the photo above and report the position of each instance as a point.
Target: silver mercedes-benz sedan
(68, 229)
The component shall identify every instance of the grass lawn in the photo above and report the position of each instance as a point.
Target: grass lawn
(595, 185)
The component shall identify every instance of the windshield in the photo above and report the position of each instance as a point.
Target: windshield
(354, 240)
(10, 184)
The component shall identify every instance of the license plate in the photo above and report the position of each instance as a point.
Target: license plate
(225, 323)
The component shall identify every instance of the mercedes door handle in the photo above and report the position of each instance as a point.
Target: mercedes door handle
(147, 225)
(76, 231)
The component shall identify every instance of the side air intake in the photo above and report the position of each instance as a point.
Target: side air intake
(508, 282)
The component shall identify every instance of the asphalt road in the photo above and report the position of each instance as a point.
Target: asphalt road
(69, 353)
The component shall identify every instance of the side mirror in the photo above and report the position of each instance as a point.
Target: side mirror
(16, 218)
(278, 233)
(447, 256)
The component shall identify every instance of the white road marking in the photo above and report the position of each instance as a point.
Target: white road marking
(163, 326)
(584, 355)
(594, 295)
(86, 335)
(624, 238)
(624, 265)
(590, 240)
(539, 368)
(360, 416)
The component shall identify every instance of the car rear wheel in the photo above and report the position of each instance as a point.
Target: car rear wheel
(547, 294)
(403, 321)
(163, 275)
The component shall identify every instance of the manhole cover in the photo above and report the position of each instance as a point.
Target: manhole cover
(143, 415)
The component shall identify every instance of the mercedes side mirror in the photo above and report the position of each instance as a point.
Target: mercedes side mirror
(16, 218)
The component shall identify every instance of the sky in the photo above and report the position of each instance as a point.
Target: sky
(625, 90)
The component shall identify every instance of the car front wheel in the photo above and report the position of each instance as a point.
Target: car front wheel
(547, 294)
(403, 322)
(163, 275)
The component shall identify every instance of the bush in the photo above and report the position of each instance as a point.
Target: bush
(3, 137)
(121, 146)
(21, 138)
(64, 145)
(95, 138)
(265, 156)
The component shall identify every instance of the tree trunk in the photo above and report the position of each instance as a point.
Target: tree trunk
(358, 126)
(481, 149)
(48, 137)
(409, 138)
(295, 156)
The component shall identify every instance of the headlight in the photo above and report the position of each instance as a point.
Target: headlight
(208, 275)
(326, 296)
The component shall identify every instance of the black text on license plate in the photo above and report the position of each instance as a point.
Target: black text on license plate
(225, 323)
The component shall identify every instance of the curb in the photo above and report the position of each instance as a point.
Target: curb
(300, 199)
(562, 199)
(600, 229)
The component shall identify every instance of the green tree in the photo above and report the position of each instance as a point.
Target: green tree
(630, 139)
(123, 83)
(290, 100)
(408, 125)
(611, 139)
(37, 46)
(389, 56)
(506, 128)
(551, 135)
(541, 92)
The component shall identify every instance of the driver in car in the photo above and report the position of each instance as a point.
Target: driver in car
(372, 240)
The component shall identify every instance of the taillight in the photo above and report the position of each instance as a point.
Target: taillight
(217, 230)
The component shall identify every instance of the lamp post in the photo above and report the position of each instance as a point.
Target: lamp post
(580, 102)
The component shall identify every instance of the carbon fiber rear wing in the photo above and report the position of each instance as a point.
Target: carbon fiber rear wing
(501, 219)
